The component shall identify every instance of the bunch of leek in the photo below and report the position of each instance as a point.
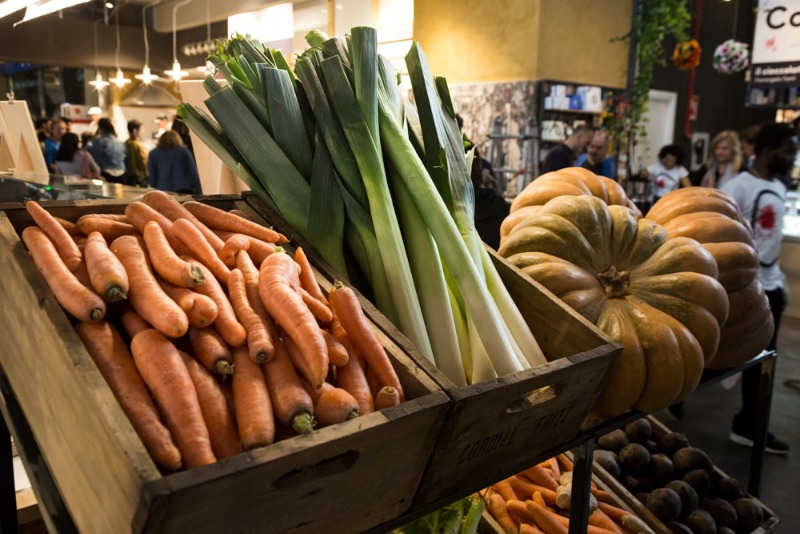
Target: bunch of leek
(379, 187)
(460, 517)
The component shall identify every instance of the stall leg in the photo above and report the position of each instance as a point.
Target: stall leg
(762, 424)
(581, 487)
(8, 499)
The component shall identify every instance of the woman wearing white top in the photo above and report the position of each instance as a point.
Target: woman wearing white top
(669, 173)
(70, 160)
(725, 161)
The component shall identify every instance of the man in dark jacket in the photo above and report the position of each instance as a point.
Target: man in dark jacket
(564, 155)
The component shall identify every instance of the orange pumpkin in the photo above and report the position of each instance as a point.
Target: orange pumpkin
(658, 297)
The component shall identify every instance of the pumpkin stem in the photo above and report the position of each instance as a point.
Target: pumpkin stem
(615, 283)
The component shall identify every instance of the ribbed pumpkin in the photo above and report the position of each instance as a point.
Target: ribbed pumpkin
(569, 181)
(713, 218)
(658, 297)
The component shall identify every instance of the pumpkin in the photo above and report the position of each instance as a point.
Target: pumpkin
(713, 218)
(657, 296)
(569, 181)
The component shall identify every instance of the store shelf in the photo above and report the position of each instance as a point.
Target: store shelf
(576, 111)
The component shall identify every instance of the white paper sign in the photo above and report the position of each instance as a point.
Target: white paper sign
(776, 44)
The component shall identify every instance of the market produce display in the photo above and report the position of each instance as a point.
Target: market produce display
(379, 186)
(712, 217)
(677, 483)
(658, 296)
(220, 357)
(460, 517)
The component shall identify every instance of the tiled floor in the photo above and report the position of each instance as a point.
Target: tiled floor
(707, 422)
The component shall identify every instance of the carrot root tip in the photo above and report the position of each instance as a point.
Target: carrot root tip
(197, 275)
(353, 414)
(97, 314)
(223, 368)
(303, 423)
(115, 294)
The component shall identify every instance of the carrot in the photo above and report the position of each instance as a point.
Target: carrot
(564, 462)
(240, 213)
(590, 529)
(319, 310)
(61, 240)
(133, 323)
(110, 229)
(222, 220)
(600, 495)
(614, 513)
(315, 394)
(372, 380)
(348, 310)
(545, 519)
(82, 274)
(259, 342)
(80, 301)
(225, 323)
(504, 488)
(106, 273)
(538, 475)
(69, 226)
(200, 309)
(525, 528)
(257, 250)
(139, 214)
(538, 499)
(307, 279)
(218, 417)
(191, 237)
(386, 398)
(165, 374)
(277, 283)
(352, 379)
(166, 262)
(111, 355)
(174, 210)
(119, 217)
(335, 406)
(145, 295)
(252, 402)
(245, 264)
(337, 353)
(299, 361)
(517, 510)
(601, 520)
(211, 350)
(554, 466)
(524, 488)
(232, 245)
(497, 507)
(293, 406)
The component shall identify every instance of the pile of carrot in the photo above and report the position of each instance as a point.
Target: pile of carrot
(211, 336)
(528, 503)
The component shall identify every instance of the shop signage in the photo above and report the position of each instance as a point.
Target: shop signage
(776, 44)
(694, 107)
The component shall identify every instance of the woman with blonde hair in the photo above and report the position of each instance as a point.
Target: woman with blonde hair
(725, 160)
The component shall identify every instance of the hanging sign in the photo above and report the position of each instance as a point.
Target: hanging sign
(694, 106)
(776, 44)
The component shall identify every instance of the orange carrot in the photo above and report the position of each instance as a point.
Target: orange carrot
(115, 363)
(80, 301)
(335, 406)
(174, 210)
(319, 310)
(524, 488)
(222, 220)
(119, 217)
(233, 245)
(61, 240)
(165, 374)
(538, 475)
(211, 350)
(245, 264)
(294, 407)
(554, 466)
(525, 528)
(307, 279)
(600, 495)
(252, 402)
(218, 417)
(82, 274)
(538, 499)
(614, 513)
(139, 214)
(277, 284)
(145, 295)
(504, 488)
(348, 310)
(257, 250)
(225, 323)
(545, 519)
(166, 262)
(590, 529)
(337, 353)
(315, 394)
(386, 398)
(108, 228)
(190, 236)
(106, 273)
(564, 462)
(353, 379)
(497, 507)
(200, 309)
(133, 323)
(518, 510)
(69, 226)
(298, 360)
(372, 380)
(601, 520)
(259, 342)
(240, 213)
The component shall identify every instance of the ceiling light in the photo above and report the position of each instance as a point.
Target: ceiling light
(119, 79)
(145, 76)
(98, 82)
(176, 73)
(45, 8)
(12, 6)
(109, 5)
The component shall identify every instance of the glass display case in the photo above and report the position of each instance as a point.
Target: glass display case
(63, 188)
(791, 220)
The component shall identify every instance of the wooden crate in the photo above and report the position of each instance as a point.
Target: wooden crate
(344, 478)
(501, 426)
(615, 487)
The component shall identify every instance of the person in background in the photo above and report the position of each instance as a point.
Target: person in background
(67, 123)
(42, 128)
(95, 113)
(86, 139)
(564, 155)
(170, 166)
(747, 138)
(596, 158)
(52, 143)
(108, 152)
(761, 196)
(724, 163)
(162, 125)
(136, 159)
(490, 208)
(181, 129)
(668, 174)
(71, 160)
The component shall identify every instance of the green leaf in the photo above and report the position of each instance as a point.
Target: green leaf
(365, 70)
(316, 38)
(245, 94)
(326, 211)
(284, 110)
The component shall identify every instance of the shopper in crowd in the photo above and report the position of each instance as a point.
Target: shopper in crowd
(86, 139)
(490, 207)
(170, 166)
(761, 194)
(747, 138)
(564, 155)
(596, 158)
(42, 125)
(723, 164)
(95, 113)
(71, 160)
(668, 173)
(162, 125)
(67, 123)
(109, 152)
(179, 127)
(52, 143)
(136, 160)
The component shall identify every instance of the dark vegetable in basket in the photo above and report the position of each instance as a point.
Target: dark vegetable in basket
(639, 431)
(691, 458)
(608, 461)
(722, 511)
(634, 457)
(689, 498)
(665, 504)
(670, 443)
(613, 441)
(701, 522)
(699, 480)
(751, 515)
